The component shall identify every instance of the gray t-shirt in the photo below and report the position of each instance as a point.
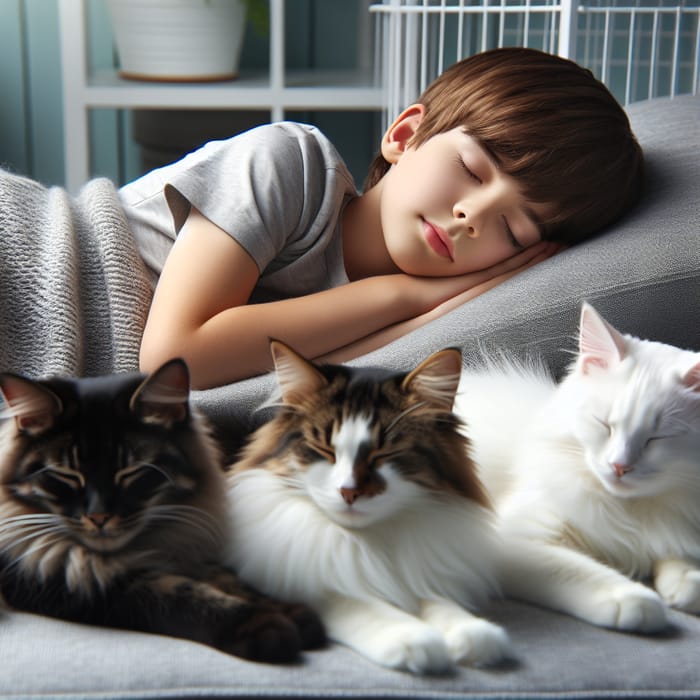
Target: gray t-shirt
(279, 190)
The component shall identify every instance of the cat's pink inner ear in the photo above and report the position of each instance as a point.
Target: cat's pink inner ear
(692, 378)
(436, 378)
(297, 377)
(164, 394)
(600, 345)
(33, 406)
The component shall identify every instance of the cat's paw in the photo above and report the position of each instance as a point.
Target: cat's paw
(679, 586)
(263, 636)
(308, 624)
(415, 648)
(630, 607)
(477, 642)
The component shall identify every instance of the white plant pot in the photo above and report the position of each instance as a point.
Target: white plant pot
(178, 40)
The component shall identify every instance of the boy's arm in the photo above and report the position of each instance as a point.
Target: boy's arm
(200, 310)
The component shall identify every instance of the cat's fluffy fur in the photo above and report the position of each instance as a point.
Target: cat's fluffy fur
(34, 410)
(596, 481)
(359, 499)
(113, 509)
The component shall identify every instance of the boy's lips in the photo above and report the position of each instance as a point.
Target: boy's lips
(438, 240)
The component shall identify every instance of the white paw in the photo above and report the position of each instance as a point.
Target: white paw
(417, 648)
(477, 642)
(680, 588)
(631, 607)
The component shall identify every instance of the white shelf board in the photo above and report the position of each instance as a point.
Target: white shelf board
(302, 91)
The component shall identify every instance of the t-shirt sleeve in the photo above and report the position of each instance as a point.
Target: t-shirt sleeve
(260, 187)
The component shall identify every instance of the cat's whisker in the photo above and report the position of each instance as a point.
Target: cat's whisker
(188, 515)
(210, 534)
(13, 527)
(35, 535)
(194, 510)
(29, 517)
(34, 549)
(36, 546)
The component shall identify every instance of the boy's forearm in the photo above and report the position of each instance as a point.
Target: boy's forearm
(234, 344)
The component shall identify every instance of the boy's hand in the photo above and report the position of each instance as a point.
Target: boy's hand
(427, 293)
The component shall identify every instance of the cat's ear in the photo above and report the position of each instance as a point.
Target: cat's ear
(32, 404)
(296, 376)
(600, 345)
(692, 378)
(163, 396)
(436, 378)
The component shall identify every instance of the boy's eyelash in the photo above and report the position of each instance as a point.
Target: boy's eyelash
(516, 243)
(469, 172)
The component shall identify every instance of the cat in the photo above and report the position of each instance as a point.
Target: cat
(596, 479)
(113, 511)
(362, 491)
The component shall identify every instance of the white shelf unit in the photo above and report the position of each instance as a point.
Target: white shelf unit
(277, 91)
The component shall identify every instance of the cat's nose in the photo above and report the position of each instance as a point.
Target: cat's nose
(98, 519)
(620, 469)
(349, 495)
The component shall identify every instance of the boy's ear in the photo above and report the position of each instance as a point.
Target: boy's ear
(398, 135)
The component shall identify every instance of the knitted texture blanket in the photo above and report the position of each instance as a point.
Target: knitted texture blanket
(74, 292)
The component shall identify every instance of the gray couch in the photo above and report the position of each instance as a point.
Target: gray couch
(643, 275)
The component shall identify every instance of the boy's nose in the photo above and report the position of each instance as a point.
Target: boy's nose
(469, 219)
(476, 210)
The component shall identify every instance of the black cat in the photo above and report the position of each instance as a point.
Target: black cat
(113, 512)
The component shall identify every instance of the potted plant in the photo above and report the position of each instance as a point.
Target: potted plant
(181, 40)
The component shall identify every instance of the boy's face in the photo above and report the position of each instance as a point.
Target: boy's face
(447, 209)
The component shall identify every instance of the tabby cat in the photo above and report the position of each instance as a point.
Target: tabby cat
(112, 512)
(370, 511)
(596, 480)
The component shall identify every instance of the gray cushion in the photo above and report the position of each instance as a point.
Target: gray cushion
(557, 655)
(643, 276)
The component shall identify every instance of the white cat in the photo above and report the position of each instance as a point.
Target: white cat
(596, 480)
(356, 498)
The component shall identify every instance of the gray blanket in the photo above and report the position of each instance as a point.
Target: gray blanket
(74, 292)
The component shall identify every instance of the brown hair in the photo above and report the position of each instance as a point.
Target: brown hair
(547, 122)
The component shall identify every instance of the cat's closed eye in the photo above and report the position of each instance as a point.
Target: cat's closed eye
(143, 476)
(323, 451)
(70, 477)
(663, 436)
(53, 477)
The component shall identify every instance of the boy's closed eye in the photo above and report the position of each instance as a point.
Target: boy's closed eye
(470, 173)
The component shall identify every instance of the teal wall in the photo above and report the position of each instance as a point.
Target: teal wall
(31, 117)
(31, 124)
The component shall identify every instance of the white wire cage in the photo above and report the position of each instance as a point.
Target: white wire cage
(638, 49)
